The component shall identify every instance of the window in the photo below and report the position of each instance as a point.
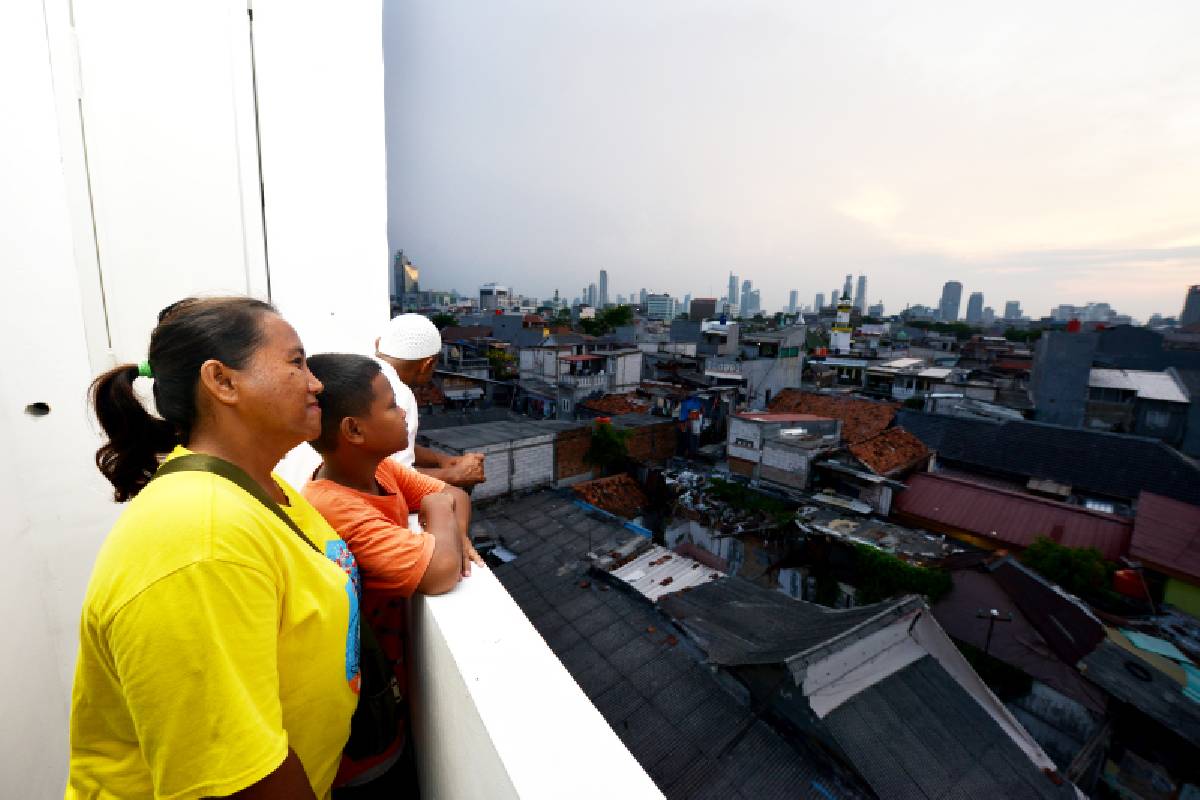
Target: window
(1098, 505)
(1157, 419)
(747, 443)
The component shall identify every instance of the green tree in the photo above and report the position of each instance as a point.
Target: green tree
(442, 320)
(1080, 570)
(609, 448)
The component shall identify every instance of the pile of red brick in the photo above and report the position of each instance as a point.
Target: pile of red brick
(618, 495)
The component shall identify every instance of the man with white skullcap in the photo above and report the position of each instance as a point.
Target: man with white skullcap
(408, 352)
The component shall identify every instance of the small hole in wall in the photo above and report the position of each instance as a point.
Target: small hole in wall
(37, 409)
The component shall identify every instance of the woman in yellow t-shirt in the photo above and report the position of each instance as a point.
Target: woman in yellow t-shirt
(218, 653)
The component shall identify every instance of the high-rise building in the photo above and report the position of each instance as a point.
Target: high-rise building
(975, 308)
(642, 297)
(660, 306)
(746, 284)
(702, 308)
(793, 300)
(687, 304)
(733, 289)
(751, 301)
(860, 297)
(592, 295)
(603, 300)
(840, 333)
(1191, 307)
(493, 296)
(875, 310)
(848, 286)
(1012, 309)
(951, 301)
(818, 302)
(989, 315)
(403, 282)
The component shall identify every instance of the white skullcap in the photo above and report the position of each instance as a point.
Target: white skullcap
(410, 337)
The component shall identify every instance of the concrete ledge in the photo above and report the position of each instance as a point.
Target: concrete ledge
(496, 715)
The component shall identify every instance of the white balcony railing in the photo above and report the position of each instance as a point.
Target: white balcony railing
(586, 381)
(497, 716)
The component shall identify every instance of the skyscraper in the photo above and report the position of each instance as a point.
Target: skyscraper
(592, 295)
(848, 287)
(642, 297)
(733, 288)
(1191, 307)
(951, 301)
(403, 281)
(975, 308)
(860, 297)
(603, 288)
(1012, 309)
(819, 302)
(793, 300)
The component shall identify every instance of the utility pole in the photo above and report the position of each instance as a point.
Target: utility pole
(992, 616)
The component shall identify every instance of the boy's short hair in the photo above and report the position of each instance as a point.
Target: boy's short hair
(347, 380)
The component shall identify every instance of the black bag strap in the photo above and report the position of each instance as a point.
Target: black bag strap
(200, 462)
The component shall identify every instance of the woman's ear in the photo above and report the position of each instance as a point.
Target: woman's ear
(217, 381)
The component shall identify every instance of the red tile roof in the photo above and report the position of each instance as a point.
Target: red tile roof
(616, 404)
(890, 452)
(861, 419)
(428, 395)
(1008, 518)
(618, 495)
(1166, 534)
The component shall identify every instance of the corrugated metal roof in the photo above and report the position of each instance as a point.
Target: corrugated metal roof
(1008, 517)
(485, 434)
(1148, 385)
(777, 416)
(1166, 534)
(658, 571)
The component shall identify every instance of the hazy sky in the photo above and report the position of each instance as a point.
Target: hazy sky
(1041, 152)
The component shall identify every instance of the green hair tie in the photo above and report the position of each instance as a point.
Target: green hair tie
(144, 370)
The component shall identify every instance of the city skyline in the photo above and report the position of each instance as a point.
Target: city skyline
(795, 144)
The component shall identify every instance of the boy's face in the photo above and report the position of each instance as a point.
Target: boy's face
(385, 428)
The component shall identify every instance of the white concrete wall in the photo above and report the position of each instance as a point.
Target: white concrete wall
(497, 716)
(172, 176)
(324, 160)
(55, 502)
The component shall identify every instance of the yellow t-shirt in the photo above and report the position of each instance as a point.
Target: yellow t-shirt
(212, 639)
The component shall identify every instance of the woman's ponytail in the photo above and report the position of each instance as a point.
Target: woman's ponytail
(136, 438)
(188, 333)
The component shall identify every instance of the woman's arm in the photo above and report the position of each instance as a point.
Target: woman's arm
(288, 781)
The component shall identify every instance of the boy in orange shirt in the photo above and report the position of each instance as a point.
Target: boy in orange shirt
(366, 496)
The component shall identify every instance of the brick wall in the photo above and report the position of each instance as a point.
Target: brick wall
(653, 442)
(570, 447)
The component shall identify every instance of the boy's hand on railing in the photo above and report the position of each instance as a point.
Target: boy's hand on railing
(469, 554)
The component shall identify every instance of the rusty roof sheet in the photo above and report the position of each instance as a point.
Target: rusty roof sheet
(861, 419)
(1009, 518)
(658, 571)
(616, 404)
(1166, 533)
(890, 452)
